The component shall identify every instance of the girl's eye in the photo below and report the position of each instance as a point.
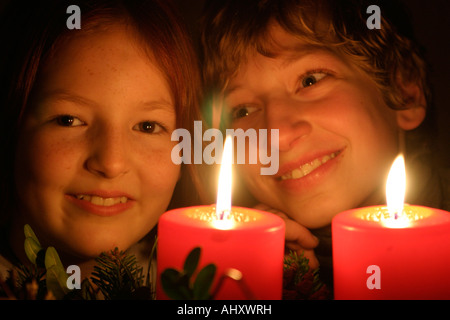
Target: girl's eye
(242, 111)
(148, 127)
(312, 78)
(69, 121)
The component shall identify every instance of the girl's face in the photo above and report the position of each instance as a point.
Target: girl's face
(337, 137)
(94, 167)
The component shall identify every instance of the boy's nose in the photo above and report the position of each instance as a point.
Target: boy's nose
(290, 120)
(108, 157)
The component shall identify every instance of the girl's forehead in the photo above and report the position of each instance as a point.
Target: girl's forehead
(99, 45)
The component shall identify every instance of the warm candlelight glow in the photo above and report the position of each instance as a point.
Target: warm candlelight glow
(396, 186)
(381, 252)
(223, 206)
(395, 195)
(246, 245)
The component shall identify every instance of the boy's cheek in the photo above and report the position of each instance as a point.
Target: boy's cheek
(250, 174)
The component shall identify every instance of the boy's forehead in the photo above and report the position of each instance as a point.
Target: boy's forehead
(283, 45)
(283, 48)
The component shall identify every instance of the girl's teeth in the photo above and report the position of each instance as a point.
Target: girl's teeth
(99, 201)
(307, 168)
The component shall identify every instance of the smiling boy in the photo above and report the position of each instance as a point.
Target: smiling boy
(340, 95)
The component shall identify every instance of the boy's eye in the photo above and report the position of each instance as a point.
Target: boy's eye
(312, 78)
(242, 111)
(69, 121)
(148, 127)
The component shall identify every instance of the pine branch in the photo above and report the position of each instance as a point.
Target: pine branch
(118, 276)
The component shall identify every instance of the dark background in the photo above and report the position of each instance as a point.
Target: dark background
(431, 24)
(432, 28)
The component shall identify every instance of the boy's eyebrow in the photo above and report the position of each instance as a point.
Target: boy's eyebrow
(297, 50)
(301, 52)
(288, 56)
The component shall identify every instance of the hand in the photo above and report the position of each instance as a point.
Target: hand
(298, 238)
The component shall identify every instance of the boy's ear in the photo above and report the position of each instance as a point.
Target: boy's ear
(415, 107)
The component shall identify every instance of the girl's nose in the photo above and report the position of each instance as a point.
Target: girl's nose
(108, 157)
(288, 117)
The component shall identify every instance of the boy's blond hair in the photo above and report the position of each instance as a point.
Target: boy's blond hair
(234, 29)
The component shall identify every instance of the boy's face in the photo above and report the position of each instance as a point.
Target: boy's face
(337, 136)
(94, 169)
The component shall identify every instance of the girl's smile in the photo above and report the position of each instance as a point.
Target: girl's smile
(110, 204)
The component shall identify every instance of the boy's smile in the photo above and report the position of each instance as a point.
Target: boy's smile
(306, 167)
(333, 124)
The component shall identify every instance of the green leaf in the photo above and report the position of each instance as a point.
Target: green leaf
(32, 249)
(56, 277)
(191, 262)
(53, 282)
(175, 284)
(52, 259)
(29, 233)
(203, 282)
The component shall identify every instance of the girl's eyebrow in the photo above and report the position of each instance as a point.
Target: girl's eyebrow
(64, 95)
(161, 104)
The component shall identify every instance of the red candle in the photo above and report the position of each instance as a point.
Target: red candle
(247, 240)
(254, 245)
(385, 253)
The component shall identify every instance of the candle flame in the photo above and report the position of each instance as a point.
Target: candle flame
(395, 193)
(223, 205)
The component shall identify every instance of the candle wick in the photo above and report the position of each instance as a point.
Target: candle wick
(396, 216)
(223, 214)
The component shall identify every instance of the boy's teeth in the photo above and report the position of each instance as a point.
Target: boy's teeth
(307, 168)
(99, 201)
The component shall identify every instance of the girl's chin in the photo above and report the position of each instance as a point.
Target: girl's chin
(85, 251)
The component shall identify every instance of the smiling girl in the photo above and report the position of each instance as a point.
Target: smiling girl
(87, 117)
